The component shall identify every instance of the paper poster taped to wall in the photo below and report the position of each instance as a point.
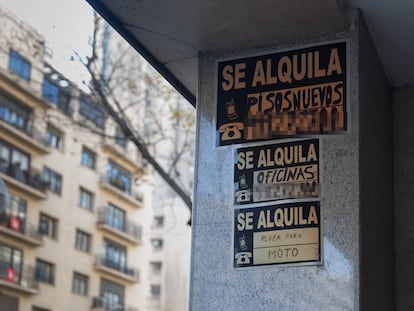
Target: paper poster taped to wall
(277, 235)
(286, 94)
(288, 170)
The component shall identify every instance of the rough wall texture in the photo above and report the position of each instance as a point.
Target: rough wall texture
(215, 285)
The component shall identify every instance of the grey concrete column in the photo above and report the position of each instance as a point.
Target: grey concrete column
(356, 273)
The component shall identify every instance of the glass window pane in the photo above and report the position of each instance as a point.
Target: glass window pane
(50, 91)
(19, 65)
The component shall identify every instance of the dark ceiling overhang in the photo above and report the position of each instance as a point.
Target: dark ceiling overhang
(172, 34)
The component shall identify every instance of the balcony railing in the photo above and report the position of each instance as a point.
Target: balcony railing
(121, 189)
(30, 178)
(123, 228)
(119, 183)
(121, 270)
(24, 281)
(100, 303)
(14, 227)
(28, 134)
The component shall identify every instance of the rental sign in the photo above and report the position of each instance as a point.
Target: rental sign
(288, 170)
(296, 92)
(277, 234)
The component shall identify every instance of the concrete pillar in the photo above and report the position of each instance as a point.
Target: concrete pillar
(356, 203)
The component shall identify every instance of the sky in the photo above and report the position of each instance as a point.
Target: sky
(66, 26)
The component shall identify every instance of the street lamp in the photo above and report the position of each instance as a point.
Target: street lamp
(4, 196)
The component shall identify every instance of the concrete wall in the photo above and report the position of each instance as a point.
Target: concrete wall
(353, 211)
(403, 116)
(215, 285)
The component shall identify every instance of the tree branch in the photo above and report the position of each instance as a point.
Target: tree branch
(139, 143)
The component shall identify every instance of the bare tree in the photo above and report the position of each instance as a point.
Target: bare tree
(125, 86)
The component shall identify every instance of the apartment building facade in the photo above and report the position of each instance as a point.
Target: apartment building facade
(73, 235)
(167, 121)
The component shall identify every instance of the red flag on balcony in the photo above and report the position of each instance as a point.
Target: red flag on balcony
(10, 274)
(15, 223)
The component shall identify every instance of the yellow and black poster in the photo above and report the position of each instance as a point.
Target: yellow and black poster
(286, 94)
(288, 170)
(277, 234)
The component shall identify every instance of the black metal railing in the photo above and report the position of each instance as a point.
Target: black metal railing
(125, 226)
(38, 136)
(24, 278)
(30, 131)
(123, 268)
(30, 178)
(105, 304)
(118, 183)
(17, 225)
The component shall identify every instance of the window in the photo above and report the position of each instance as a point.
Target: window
(45, 272)
(53, 137)
(80, 284)
(86, 199)
(11, 260)
(14, 162)
(48, 226)
(114, 255)
(157, 243)
(120, 139)
(88, 158)
(112, 301)
(91, 111)
(155, 290)
(115, 217)
(19, 65)
(111, 295)
(158, 222)
(50, 91)
(119, 177)
(55, 93)
(14, 215)
(14, 113)
(83, 241)
(156, 267)
(53, 179)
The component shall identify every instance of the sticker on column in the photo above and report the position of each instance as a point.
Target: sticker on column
(288, 170)
(278, 234)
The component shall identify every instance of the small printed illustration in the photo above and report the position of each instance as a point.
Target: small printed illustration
(231, 110)
(242, 243)
(243, 182)
(243, 196)
(231, 131)
(243, 258)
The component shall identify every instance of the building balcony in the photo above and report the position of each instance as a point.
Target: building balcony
(119, 152)
(30, 137)
(126, 230)
(115, 269)
(120, 189)
(19, 282)
(102, 304)
(21, 90)
(30, 182)
(12, 227)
